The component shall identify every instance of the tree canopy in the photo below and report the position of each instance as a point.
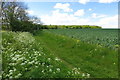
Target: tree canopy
(15, 17)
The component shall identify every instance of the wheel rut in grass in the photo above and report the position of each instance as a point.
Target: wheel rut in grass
(54, 53)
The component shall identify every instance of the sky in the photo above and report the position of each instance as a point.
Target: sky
(102, 13)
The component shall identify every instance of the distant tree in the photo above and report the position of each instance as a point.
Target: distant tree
(0, 9)
(36, 20)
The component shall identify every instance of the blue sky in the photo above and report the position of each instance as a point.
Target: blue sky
(76, 13)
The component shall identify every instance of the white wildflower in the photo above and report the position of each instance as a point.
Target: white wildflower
(22, 63)
(19, 74)
(88, 75)
(58, 69)
(57, 59)
(50, 70)
(42, 71)
(49, 59)
(83, 74)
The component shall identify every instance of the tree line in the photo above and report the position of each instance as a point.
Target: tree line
(15, 17)
(70, 26)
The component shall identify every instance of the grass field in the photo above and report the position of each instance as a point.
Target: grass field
(60, 53)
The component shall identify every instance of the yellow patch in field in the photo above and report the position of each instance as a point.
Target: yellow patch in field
(78, 41)
(3, 31)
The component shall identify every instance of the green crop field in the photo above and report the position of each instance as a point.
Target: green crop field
(102, 37)
(60, 53)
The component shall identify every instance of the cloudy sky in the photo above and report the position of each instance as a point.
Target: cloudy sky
(82, 12)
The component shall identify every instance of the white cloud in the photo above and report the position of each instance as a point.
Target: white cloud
(107, 1)
(64, 7)
(94, 15)
(100, 1)
(90, 9)
(83, 1)
(109, 22)
(79, 12)
(106, 22)
(58, 18)
(30, 12)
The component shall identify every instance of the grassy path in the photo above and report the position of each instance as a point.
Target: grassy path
(92, 59)
(53, 52)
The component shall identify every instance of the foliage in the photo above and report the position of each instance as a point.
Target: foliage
(13, 13)
(16, 18)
